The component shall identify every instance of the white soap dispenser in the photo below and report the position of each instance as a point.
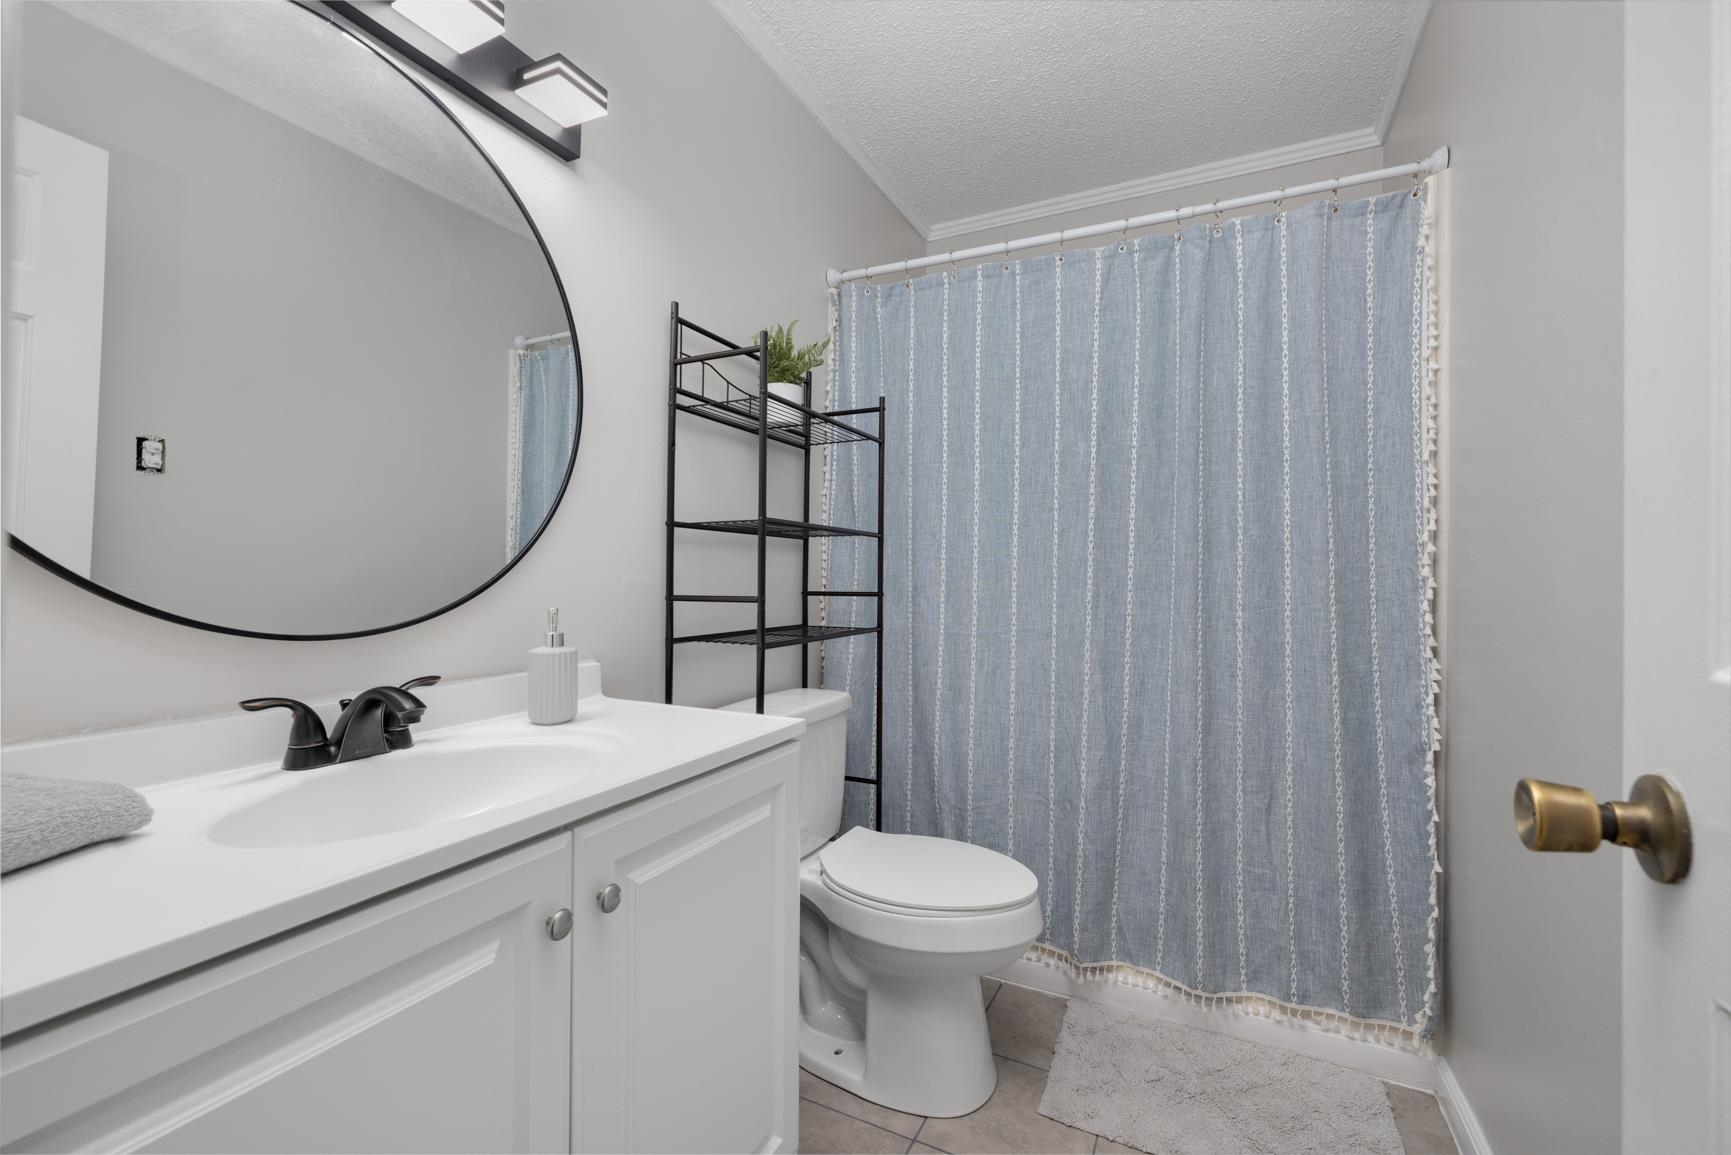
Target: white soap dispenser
(553, 678)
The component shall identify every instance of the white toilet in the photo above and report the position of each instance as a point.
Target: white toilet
(895, 932)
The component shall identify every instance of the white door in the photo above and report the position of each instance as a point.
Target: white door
(683, 1017)
(57, 254)
(1677, 578)
(436, 1020)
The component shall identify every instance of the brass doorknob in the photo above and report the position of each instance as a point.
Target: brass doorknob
(1653, 822)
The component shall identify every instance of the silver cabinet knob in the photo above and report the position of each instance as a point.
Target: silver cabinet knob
(559, 923)
(608, 897)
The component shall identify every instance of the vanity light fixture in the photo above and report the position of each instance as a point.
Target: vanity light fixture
(460, 25)
(461, 44)
(562, 90)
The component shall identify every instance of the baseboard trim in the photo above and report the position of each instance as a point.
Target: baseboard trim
(1397, 1066)
(1469, 1136)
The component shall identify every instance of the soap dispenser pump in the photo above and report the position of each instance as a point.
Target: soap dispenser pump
(552, 677)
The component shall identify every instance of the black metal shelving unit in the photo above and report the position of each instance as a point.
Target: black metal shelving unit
(772, 420)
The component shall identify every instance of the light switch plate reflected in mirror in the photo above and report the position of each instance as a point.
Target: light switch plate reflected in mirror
(150, 454)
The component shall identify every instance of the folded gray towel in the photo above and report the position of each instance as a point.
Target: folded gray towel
(43, 817)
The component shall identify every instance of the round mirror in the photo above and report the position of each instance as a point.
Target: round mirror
(285, 355)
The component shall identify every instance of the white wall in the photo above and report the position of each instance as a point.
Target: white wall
(707, 182)
(1528, 96)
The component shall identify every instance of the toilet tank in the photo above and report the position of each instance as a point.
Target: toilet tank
(822, 756)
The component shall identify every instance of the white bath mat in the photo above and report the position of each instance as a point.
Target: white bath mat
(1176, 1090)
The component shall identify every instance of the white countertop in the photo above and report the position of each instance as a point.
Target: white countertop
(111, 917)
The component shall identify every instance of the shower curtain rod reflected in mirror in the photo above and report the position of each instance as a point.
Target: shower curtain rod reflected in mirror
(1434, 163)
(548, 339)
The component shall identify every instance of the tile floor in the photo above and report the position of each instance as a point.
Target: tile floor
(1024, 1025)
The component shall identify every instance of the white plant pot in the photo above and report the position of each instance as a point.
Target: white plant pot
(792, 391)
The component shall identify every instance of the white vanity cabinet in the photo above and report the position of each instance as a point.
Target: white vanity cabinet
(683, 1020)
(433, 1020)
(447, 1017)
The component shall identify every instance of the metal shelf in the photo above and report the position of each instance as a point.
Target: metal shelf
(775, 527)
(770, 419)
(789, 424)
(776, 637)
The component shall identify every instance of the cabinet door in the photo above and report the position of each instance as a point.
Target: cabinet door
(684, 1003)
(434, 1020)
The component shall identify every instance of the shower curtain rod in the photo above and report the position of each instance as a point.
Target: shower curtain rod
(549, 339)
(1434, 163)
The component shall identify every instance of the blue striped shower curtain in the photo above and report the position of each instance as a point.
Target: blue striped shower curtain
(542, 426)
(1158, 598)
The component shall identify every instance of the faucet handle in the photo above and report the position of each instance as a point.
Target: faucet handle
(307, 742)
(411, 684)
(398, 737)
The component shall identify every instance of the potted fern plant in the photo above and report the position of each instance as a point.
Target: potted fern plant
(789, 363)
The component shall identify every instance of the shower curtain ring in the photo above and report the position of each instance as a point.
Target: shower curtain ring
(1417, 177)
(1006, 256)
(1334, 197)
(1124, 236)
(1060, 246)
(1217, 218)
(1280, 203)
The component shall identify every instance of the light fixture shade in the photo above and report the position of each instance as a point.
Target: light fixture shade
(458, 24)
(562, 90)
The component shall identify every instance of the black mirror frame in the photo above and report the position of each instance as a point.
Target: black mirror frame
(25, 549)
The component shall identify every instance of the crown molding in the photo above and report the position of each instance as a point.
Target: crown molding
(1319, 149)
(757, 37)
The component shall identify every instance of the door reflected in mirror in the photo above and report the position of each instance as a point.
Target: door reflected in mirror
(284, 354)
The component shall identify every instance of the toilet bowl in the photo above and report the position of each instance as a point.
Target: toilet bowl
(895, 932)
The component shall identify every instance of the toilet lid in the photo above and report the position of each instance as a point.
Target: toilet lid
(920, 873)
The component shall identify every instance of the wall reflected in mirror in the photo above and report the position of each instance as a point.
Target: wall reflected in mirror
(284, 354)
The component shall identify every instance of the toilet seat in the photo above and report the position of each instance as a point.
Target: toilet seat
(912, 874)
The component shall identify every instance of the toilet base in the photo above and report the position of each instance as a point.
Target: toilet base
(925, 1051)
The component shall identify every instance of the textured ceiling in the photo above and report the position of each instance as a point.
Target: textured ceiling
(967, 107)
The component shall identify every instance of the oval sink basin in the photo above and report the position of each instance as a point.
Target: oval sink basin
(424, 786)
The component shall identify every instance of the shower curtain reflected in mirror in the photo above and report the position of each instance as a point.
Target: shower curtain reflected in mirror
(1158, 609)
(541, 424)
